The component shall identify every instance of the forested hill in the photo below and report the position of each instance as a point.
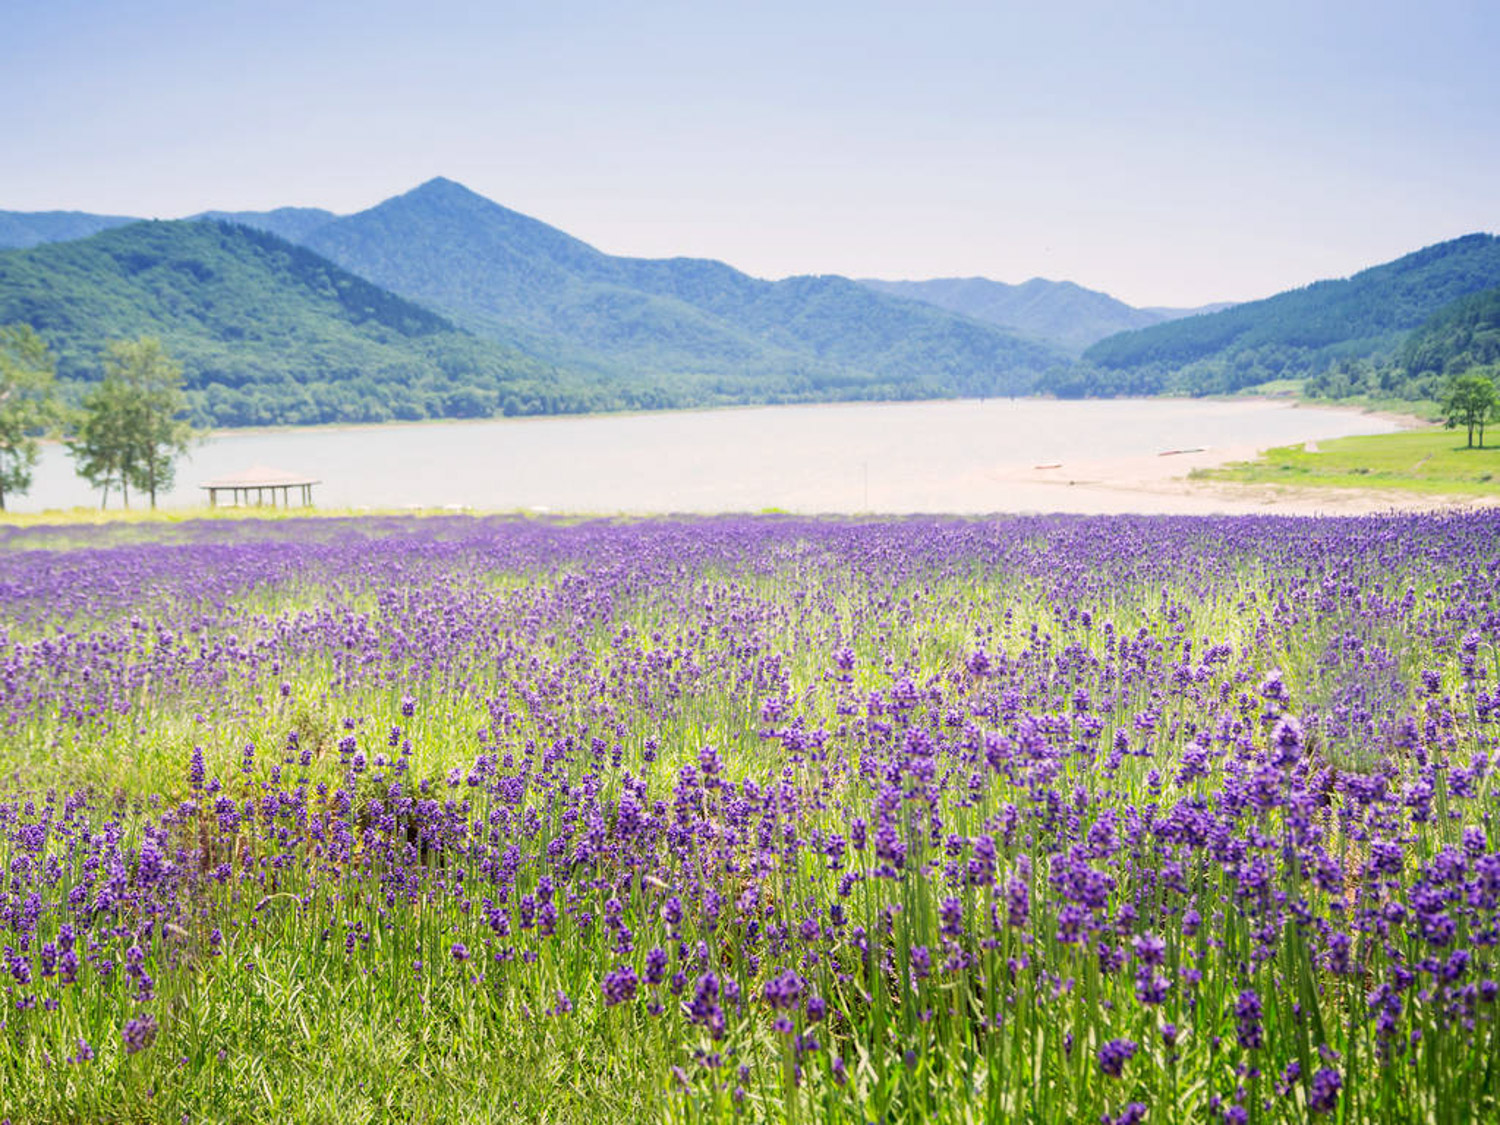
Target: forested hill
(521, 281)
(1456, 337)
(1298, 333)
(267, 332)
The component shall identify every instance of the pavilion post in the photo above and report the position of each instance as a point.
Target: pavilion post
(261, 488)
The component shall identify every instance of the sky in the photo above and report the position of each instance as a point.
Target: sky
(1169, 153)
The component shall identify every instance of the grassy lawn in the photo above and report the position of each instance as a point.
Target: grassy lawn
(1433, 461)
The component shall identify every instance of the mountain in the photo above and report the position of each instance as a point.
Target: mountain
(529, 318)
(19, 229)
(267, 332)
(1172, 312)
(1058, 312)
(291, 223)
(515, 279)
(1299, 333)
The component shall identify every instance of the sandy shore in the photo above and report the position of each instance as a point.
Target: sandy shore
(1162, 483)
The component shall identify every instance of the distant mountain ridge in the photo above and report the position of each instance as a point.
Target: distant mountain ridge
(675, 331)
(512, 277)
(590, 330)
(1062, 315)
(291, 223)
(21, 229)
(1060, 312)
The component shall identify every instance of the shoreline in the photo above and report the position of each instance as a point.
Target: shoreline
(1222, 501)
(1396, 418)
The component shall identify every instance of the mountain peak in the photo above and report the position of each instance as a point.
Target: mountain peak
(442, 188)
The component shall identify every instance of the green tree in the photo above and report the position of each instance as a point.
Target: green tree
(99, 444)
(1470, 401)
(130, 432)
(28, 404)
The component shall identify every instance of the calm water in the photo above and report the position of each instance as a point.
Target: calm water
(890, 457)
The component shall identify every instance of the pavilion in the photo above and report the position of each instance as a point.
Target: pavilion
(259, 485)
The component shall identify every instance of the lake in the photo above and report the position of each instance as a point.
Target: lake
(964, 456)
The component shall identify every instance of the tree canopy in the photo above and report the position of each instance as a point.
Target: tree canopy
(1470, 400)
(131, 429)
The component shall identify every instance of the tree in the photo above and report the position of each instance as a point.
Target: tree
(99, 443)
(1470, 401)
(131, 432)
(28, 404)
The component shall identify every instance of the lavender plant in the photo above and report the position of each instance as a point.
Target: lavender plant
(1053, 819)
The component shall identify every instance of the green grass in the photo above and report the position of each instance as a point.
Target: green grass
(1432, 462)
(180, 514)
(1275, 388)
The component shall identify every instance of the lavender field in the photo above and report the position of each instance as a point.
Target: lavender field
(1063, 819)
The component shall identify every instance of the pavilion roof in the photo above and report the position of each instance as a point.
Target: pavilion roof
(261, 477)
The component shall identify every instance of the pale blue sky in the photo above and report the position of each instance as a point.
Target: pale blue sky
(1167, 152)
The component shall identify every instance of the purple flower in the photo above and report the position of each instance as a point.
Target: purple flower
(1247, 1011)
(1323, 1096)
(1286, 741)
(1114, 1055)
(1150, 949)
(952, 913)
(1017, 903)
(783, 990)
(921, 962)
(619, 985)
(139, 1033)
(1150, 988)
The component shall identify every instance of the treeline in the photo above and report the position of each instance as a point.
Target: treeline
(1458, 339)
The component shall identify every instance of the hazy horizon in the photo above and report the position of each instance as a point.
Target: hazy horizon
(1167, 155)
